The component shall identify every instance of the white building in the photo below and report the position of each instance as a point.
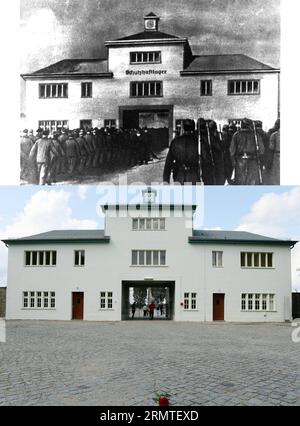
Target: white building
(151, 78)
(211, 275)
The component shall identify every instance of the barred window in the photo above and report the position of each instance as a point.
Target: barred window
(40, 258)
(145, 57)
(53, 90)
(243, 87)
(256, 260)
(86, 90)
(148, 89)
(142, 224)
(148, 258)
(206, 87)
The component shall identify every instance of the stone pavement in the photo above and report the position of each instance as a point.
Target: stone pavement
(104, 364)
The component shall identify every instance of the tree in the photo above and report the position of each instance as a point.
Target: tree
(158, 294)
(139, 296)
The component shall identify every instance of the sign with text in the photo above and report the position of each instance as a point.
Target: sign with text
(146, 72)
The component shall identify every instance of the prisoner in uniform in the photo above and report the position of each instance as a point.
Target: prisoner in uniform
(83, 149)
(62, 138)
(247, 150)
(56, 160)
(72, 153)
(183, 157)
(26, 144)
(41, 151)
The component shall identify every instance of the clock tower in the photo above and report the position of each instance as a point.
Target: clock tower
(151, 22)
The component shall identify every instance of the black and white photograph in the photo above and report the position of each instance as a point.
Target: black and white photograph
(150, 91)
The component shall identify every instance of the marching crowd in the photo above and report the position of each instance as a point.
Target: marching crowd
(243, 156)
(47, 157)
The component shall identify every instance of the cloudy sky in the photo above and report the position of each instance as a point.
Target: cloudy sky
(268, 211)
(52, 30)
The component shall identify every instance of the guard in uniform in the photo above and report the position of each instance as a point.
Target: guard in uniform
(274, 148)
(183, 157)
(247, 150)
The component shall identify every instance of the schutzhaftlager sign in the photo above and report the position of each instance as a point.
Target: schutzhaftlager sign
(146, 72)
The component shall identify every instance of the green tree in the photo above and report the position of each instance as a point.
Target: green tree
(139, 296)
(158, 294)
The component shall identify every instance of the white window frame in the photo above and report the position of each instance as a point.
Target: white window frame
(146, 89)
(207, 86)
(53, 125)
(53, 90)
(43, 298)
(250, 260)
(141, 224)
(81, 258)
(38, 258)
(259, 302)
(217, 259)
(145, 57)
(110, 122)
(190, 301)
(86, 89)
(106, 296)
(238, 86)
(142, 257)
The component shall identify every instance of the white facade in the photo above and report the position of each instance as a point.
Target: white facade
(189, 268)
(179, 74)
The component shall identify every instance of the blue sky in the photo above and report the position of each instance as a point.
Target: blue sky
(223, 207)
(270, 211)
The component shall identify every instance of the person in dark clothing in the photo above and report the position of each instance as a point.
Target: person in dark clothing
(133, 308)
(183, 157)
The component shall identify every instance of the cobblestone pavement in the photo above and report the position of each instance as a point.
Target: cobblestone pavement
(89, 363)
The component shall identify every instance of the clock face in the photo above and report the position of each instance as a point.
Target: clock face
(150, 24)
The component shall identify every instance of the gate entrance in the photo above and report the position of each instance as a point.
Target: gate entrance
(157, 119)
(145, 293)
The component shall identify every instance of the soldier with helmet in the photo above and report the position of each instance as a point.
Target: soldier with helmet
(183, 157)
(247, 150)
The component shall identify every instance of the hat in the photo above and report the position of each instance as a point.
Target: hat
(45, 133)
(246, 123)
(258, 124)
(225, 127)
(188, 125)
(25, 131)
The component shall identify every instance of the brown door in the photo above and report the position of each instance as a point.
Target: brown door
(218, 307)
(77, 306)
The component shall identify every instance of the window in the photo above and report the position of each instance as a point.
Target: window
(110, 123)
(79, 257)
(217, 259)
(243, 87)
(145, 57)
(258, 302)
(146, 89)
(190, 301)
(38, 300)
(86, 90)
(206, 87)
(40, 258)
(86, 124)
(106, 300)
(53, 90)
(256, 260)
(143, 224)
(53, 125)
(148, 257)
